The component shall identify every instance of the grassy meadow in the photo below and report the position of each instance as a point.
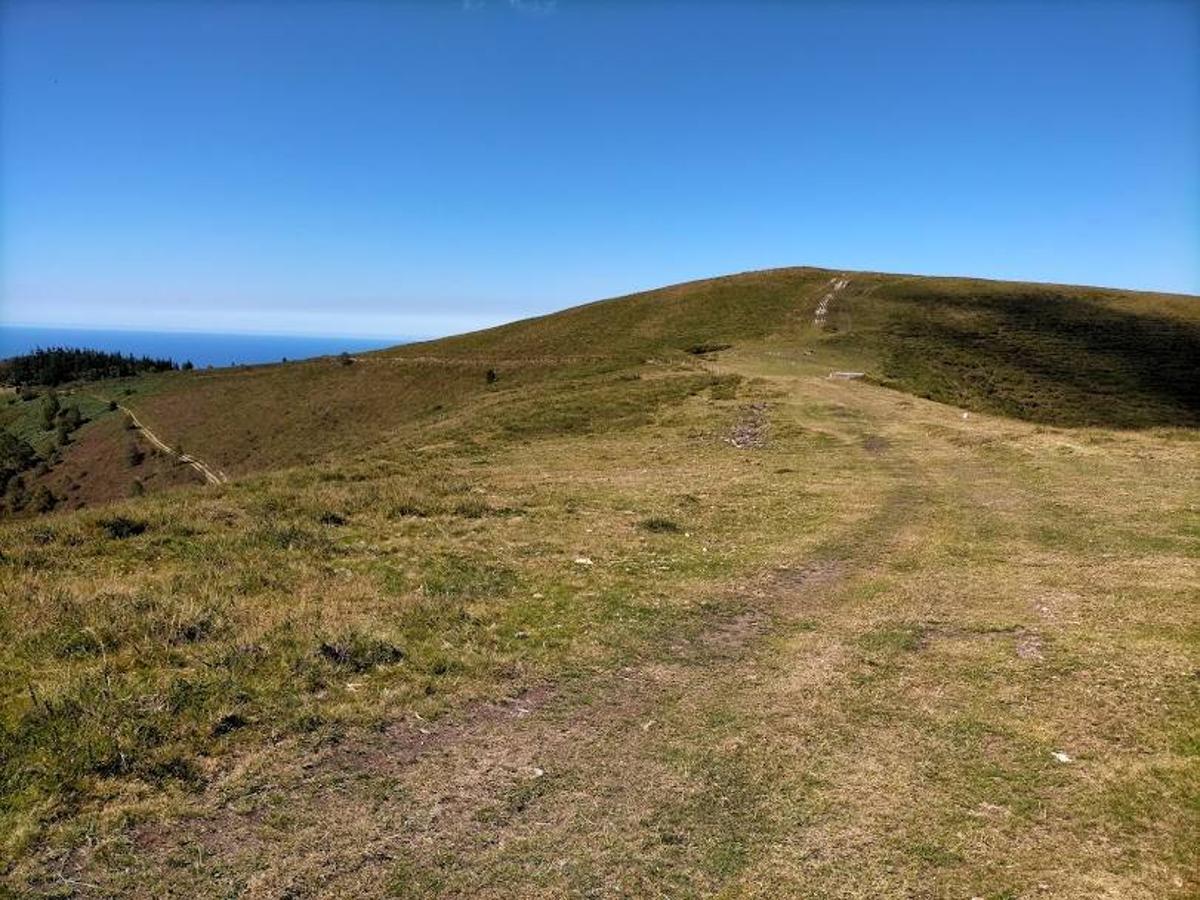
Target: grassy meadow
(638, 617)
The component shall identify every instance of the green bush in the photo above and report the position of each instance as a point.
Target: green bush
(43, 499)
(50, 411)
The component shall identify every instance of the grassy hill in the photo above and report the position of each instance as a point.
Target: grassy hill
(1045, 353)
(638, 616)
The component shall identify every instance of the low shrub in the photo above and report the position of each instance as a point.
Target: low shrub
(701, 349)
(659, 525)
(119, 527)
(358, 652)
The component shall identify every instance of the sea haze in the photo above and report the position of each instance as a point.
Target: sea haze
(181, 346)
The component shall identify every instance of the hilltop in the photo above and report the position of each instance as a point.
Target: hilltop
(628, 599)
(1052, 354)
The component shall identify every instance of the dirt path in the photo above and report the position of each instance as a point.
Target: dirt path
(578, 771)
(836, 285)
(212, 476)
(564, 771)
(866, 716)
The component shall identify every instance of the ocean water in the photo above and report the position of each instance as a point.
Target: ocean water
(181, 346)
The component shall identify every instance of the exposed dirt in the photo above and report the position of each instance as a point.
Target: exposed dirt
(460, 775)
(96, 467)
(836, 285)
(1029, 645)
(752, 430)
(212, 476)
(875, 444)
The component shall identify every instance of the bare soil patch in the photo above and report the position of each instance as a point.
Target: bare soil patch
(752, 430)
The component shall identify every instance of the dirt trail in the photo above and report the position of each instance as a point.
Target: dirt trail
(212, 476)
(836, 285)
(867, 715)
(505, 775)
(547, 775)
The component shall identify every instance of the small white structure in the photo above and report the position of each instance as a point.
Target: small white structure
(848, 376)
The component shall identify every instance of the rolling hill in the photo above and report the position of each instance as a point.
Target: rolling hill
(656, 608)
(1051, 354)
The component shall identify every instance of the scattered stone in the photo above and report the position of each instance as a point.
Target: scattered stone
(1061, 757)
(1029, 645)
(751, 430)
(583, 561)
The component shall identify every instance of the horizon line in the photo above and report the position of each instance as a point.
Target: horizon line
(218, 333)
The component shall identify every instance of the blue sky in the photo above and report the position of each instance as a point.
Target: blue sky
(412, 169)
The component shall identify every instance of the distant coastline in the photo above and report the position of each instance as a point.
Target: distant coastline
(202, 349)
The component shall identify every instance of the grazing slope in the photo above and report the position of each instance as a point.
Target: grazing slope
(638, 617)
(1045, 353)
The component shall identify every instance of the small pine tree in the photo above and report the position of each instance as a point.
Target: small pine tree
(50, 411)
(134, 454)
(112, 405)
(43, 499)
(16, 455)
(187, 366)
(16, 494)
(491, 376)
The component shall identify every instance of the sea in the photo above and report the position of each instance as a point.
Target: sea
(200, 349)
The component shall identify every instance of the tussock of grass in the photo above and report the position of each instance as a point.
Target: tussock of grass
(122, 527)
(359, 652)
(702, 349)
(660, 525)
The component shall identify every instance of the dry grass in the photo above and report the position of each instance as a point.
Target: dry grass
(1055, 354)
(460, 662)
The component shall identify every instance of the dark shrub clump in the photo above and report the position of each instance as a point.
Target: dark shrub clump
(659, 525)
(120, 527)
(358, 652)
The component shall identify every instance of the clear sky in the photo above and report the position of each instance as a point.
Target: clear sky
(409, 169)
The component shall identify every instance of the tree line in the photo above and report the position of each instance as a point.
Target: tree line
(58, 365)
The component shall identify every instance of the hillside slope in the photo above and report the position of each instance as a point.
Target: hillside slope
(1046, 353)
(633, 620)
